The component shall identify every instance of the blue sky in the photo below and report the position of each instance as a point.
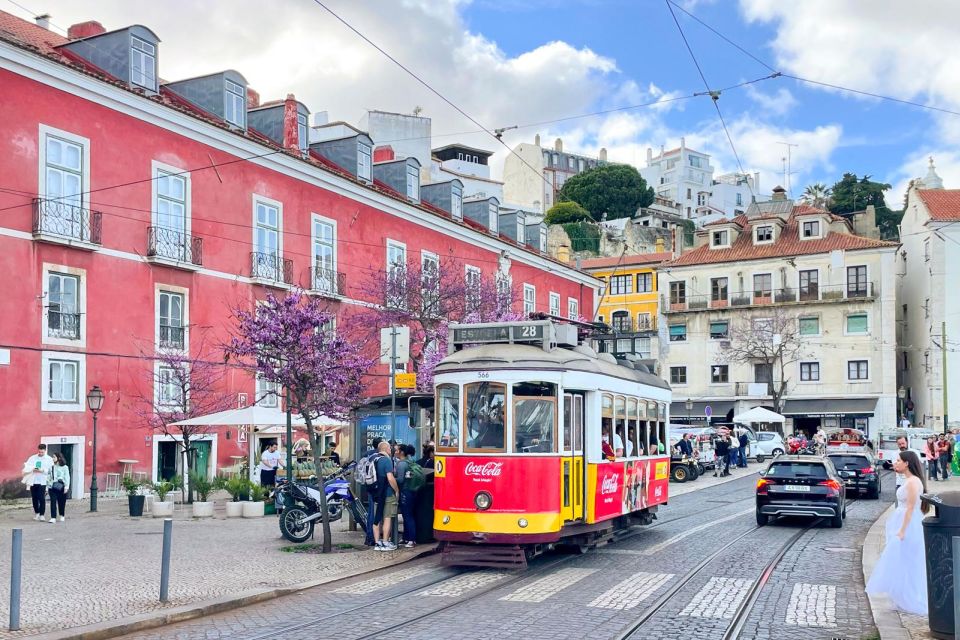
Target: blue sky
(517, 62)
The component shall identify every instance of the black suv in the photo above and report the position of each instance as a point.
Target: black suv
(859, 472)
(801, 486)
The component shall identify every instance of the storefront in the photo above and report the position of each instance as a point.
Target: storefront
(829, 413)
(720, 413)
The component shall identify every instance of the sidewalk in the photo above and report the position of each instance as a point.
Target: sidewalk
(104, 569)
(707, 480)
(892, 624)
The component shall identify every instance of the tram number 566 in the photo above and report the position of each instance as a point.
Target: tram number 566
(483, 375)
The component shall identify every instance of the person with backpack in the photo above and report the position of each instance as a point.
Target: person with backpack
(410, 478)
(366, 464)
(385, 499)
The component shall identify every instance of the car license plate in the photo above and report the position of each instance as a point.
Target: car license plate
(797, 487)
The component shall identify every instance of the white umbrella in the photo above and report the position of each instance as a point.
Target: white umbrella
(254, 414)
(758, 414)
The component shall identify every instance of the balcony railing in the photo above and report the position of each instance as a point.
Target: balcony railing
(756, 389)
(171, 337)
(271, 268)
(174, 245)
(630, 325)
(759, 298)
(60, 220)
(329, 282)
(63, 325)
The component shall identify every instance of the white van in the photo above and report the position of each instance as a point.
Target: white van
(887, 448)
(769, 444)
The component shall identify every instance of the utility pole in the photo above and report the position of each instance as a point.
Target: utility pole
(787, 171)
(393, 413)
(943, 366)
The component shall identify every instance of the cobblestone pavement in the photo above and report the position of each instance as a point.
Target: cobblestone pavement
(99, 567)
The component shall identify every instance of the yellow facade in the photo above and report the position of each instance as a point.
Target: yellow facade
(631, 291)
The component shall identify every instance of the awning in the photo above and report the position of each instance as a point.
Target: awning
(720, 408)
(830, 407)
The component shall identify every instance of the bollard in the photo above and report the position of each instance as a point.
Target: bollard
(165, 560)
(956, 586)
(16, 553)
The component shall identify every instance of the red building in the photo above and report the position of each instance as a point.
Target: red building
(136, 213)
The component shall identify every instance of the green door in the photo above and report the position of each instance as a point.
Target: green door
(201, 458)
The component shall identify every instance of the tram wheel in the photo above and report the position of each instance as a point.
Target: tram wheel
(679, 473)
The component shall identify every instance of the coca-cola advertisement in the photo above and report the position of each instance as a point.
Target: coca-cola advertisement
(515, 484)
(608, 490)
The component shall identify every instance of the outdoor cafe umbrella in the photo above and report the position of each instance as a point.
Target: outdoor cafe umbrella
(758, 414)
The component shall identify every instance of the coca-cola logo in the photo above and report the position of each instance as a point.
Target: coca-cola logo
(609, 485)
(485, 470)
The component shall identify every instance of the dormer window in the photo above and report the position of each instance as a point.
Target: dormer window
(413, 184)
(363, 161)
(235, 105)
(810, 229)
(765, 234)
(303, 135)
(720, 238)
(143, 64)
(494, 213)
(456, 202)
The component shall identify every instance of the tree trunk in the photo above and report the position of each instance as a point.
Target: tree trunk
(316, 443)
(186, 490)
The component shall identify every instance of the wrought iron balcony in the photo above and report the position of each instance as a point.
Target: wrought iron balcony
(752, 389)
(174, 245)
(270, 268)
(57, 220)
(328, 281)
(851, 292)
(619, 325)
(63, 325)
(171, 337)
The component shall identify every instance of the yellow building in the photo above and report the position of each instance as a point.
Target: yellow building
(629, 304)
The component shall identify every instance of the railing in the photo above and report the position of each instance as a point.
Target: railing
(271, 267)
(789, 295)
(171, 337)
(174, 245)
(64, 220)
(328, 281)
(632, 326)
(63, 325)
(752, 388)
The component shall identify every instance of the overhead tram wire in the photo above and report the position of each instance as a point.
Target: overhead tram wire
(714, 95)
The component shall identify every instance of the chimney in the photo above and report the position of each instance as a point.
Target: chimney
(83, 29)
(536, 139)
(290, 139)
(659, 246)
(43, 21)
(253, 98)
(319, 118)
(383, 154)
(558, 146)
(683, 142)
(603, 154)
(649, 156)
(779, 194)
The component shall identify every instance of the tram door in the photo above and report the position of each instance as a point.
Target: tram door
(573, 476)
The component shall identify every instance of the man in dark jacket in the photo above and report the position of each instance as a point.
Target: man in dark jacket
(722, 448)
(744, 442)
(685, 446)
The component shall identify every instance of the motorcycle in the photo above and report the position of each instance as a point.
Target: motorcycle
(299, 504)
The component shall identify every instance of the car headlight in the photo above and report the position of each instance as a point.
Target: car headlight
(523, 523)
(446, 519)
(483, 500)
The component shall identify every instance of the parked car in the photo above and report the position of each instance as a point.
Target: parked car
(801, 486)
(769, 444)
(859, 472)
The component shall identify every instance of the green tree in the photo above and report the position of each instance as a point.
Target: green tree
(817, 195)
(617, 190)
(565, 212)
(855, 194)
(689, 231)
(584, 236)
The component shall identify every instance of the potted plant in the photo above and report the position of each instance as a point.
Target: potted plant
(135, 497)
(202, 508)
(254, 507)
(239, 490)
(162, 508)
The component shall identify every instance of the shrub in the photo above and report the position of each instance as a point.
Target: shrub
(564, 212)
(162, 488)
(131, 486)
(257, 493)
(202, 485)
(238, 488)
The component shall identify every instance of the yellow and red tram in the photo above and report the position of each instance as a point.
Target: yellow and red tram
(521, 415)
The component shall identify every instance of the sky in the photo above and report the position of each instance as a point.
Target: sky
(535, 64)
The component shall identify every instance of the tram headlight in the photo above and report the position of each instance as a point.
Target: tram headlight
(483, 500)
(523, 523)
(446, 519)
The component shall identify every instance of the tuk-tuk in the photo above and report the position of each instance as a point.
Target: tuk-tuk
(846, 440)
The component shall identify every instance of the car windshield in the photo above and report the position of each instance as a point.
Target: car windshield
(846, 462)
(797, 470)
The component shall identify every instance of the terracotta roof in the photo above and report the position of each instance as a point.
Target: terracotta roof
(29, 33)
(635, 259)
(740, 221)
(789, 244)
(943, 204)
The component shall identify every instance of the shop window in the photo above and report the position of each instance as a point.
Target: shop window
(485, 427)
(535, 417)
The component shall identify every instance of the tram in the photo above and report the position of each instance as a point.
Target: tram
(541, 441)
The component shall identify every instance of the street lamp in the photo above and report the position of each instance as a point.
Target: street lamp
(901, 394)
(689, 406)
(94, 403)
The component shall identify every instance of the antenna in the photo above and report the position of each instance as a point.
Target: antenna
(787, 172)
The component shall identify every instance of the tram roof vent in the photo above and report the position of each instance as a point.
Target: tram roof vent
(607, 357)
(585, 350)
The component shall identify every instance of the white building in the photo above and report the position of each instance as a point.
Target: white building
(801, 264)
(930, 260)
(470, 166)
(533, 175)
(408, 135)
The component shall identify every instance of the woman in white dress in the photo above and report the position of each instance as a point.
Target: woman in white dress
(901, 572)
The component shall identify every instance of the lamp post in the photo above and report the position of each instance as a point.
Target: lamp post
(901, 394)
(689, 405)
(94, 403)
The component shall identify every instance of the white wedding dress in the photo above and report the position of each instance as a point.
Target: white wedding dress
(901, 571)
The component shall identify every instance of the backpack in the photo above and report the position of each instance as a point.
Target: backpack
(367, 470)
(414, 477)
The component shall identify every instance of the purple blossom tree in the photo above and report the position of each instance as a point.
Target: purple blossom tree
(291, 342)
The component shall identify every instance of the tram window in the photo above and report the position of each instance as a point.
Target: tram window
(621, 445)
(448, 417)
(578, 423)
(606, 418)
(632, 443)
(534, 417)
(662, 431)
(485, 429)
(651, 428)
(567, 431)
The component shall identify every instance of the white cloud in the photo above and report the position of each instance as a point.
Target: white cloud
(778, 104)
(947, 162)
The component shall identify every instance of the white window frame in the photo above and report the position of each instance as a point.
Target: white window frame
(398, 246)
(644, 321)
(428, 257)
(716, 383)
(573, 308)
(472, 281)
(303, 132)
(753, 285)
(143, 54)
(158, 400)
(456, 202)
(815, 236)
(413, 183)
(84, 143)
(858, 380)
(364, 152)
(46, 404)
(266, 393)
(846, 317)
(270, 202)
(846, 277)
(645, 275)
(230, 98)
(529, 298)
(493, 217)
(719, 245)
(317, 219)
(800, 379)
(756, 234)
(554, 303)
(157, 169)
(81, 274)
(159, 288)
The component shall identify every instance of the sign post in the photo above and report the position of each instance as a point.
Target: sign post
(708, 411)
(398, 339)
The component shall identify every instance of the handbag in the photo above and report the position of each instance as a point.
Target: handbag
(58, 486)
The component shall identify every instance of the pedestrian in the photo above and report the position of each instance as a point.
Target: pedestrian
(36, 472)
(933, 457)
(270, 459)
(901, 571)
(59, 487)
(427, 461)
(385, 500)
(371, 500)
(408, 496)
(904, 445)
(332, 453)
(722, 448)
(733, 452)
(744, 440)
(904, 422)
(943, 452)
(685, 446)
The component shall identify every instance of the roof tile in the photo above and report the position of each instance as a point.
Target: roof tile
(625, 261)
(943, 204)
